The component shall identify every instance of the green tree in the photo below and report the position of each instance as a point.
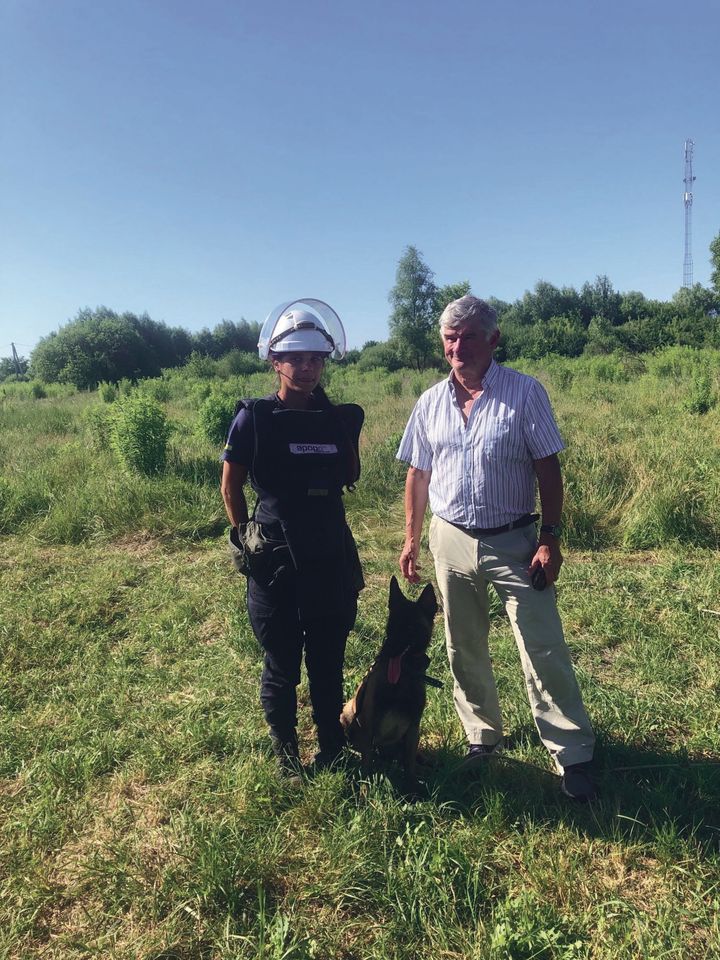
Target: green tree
(715, 264)
(448, 293)
(97, 345)
(600, 300)
(101, 345)
(602, 337)
(8, 368)
(412, 322)
(385, 356)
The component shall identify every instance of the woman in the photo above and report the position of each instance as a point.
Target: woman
(299, 452)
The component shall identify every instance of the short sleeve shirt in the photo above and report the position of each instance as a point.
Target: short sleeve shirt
(482, 471)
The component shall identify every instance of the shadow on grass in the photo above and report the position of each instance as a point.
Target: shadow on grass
(645, 794)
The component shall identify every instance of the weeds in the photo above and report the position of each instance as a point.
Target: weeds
(140, 816)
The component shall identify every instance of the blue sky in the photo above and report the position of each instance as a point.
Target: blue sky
(202, 161)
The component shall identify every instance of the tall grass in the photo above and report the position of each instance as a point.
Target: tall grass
(641, 467)
(140, 816)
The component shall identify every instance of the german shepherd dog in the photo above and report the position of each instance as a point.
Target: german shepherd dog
(388, 704)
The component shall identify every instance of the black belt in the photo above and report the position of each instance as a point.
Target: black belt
(523, 521)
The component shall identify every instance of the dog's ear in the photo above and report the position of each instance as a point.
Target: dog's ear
(395, 591)
(428, 601)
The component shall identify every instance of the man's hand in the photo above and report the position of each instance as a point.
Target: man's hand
(409, 564)
(549, 557)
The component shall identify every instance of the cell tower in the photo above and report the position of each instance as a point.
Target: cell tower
(689, 178)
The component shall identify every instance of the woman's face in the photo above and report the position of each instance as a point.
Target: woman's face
(299, 370)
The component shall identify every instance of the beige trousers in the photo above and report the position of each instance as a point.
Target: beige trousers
(464, 566)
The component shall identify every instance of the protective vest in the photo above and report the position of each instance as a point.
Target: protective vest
(302, 461)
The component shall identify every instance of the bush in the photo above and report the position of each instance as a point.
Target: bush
(675, 362)
(240, 363)
(96, 419)
(108, 392)
(215, 416)
(139, 433)
(701, 397)
(156, 389)
(201, 367)
(393, 387)
(38, 391)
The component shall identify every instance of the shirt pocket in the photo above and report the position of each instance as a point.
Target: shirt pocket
(500, 441)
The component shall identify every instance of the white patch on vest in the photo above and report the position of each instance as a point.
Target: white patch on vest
(324, 448)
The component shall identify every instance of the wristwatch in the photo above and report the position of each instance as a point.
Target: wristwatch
(554, 529)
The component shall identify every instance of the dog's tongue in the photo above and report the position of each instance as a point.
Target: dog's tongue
(394, 667)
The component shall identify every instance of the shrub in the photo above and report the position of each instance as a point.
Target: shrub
(139, 432)
(201, 367)
(700, 398)
(215, 416)
(393, 387)
(240, 363)
(108, 392)
(96, 419)
(156, 389)
(675, 362)
(38, 391)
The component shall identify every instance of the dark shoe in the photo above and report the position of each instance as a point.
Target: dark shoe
(328, 759)
(478, 752)
(577, 784)
(288, 760)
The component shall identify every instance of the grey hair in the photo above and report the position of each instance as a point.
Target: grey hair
(472, 311)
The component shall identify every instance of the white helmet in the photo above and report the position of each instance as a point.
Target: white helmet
(302, 325)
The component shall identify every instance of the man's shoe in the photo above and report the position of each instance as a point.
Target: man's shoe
(577, 784)
(328, 759)
(478, 752)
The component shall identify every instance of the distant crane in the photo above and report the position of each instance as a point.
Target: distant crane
(689, 180)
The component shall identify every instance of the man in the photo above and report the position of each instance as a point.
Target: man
(476, 444)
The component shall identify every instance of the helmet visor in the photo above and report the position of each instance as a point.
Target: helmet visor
(323, 327)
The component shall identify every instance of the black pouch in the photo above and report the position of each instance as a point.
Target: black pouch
(255, 555)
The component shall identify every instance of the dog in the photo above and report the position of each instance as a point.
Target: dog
(389, 703)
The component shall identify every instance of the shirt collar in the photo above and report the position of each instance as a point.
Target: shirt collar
(489, 380)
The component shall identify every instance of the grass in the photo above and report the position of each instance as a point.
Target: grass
(140, 815)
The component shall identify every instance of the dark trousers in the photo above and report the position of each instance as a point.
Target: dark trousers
(283, 634)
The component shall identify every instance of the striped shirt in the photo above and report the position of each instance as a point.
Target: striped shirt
(482, 471)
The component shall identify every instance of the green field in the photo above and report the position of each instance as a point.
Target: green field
(140, 813)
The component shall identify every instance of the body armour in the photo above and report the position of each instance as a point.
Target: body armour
(302, 461)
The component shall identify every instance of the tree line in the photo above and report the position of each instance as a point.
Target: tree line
(103, 346)
(596, 319)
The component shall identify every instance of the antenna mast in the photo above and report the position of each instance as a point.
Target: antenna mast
(688, 197)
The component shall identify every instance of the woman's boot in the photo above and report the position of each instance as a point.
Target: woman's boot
(288, 757)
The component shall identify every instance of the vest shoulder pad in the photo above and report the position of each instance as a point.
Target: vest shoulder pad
(353, 416)
(249, 402)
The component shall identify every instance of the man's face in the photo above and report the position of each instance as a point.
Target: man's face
(467, 349)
